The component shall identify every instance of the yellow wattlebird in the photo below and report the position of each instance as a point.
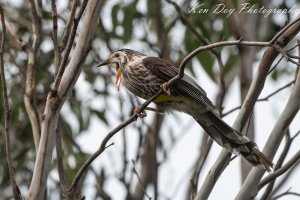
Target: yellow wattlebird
(144, 76)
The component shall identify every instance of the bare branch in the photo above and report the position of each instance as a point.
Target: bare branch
(60, 165)
(286, 55)
(249, 187)
(140, 181)
(30, 82)
(280, 171)
(15, 188)
(212, 46)
(25, 46)
(266, 98)
(279, 164)
(68, 48)
(205, 148)
(288, 192)
(282, 32)
(56, 99)
(272, 69)
(188, 23)
(67, 30)
(86, 165)
(36, 27)
(276, 91)
(57, 51)
(250, 100)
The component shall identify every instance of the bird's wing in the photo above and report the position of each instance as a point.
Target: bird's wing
(219, 130)
(185, 86)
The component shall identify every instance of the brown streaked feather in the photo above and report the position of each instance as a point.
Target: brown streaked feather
(248, 149)
(219, 130)
(185, 86)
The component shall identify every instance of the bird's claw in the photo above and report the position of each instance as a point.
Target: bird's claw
(166, 88)
(139, 112)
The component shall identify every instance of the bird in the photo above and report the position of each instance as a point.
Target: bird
(145, 76)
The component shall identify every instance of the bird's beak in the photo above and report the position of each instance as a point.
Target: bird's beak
(106, 62)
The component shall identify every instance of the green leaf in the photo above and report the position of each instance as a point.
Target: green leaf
(231, 64)
(207, 61)
(114, 15)
(205, 58)
(100, 115)
(129, 13)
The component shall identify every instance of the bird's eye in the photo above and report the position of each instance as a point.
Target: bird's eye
(117, 55)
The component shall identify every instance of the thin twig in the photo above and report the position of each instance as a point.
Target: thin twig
(30, 80)
(211, 46)
(188, 23)
(140, 181)
(277, 91)
(57, 51)
(279, 163)
(287, 56)
(36, 27)
(15, 188)
(86, 165)
(264, 98)
(282, 170)
(280, 59)
(60, 165)
(68, 26)
(286, 193)
(282, 31)
(69, 45)
(25, 46)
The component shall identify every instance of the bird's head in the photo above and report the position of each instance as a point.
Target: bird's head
(120, 58)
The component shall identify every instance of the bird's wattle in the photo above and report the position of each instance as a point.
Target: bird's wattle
(118, 78)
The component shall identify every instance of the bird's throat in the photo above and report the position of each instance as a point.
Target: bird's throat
(118, 78)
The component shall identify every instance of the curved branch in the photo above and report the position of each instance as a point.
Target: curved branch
(249, 188)
(247, 108)
(103, 145)
(56, 99)
(280, 171)
(15, 188)
(266, 98)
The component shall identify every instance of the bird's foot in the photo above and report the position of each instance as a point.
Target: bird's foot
(139, 111)
(154, 110)
(166, 88)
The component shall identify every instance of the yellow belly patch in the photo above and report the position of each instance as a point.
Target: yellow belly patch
(165, 98)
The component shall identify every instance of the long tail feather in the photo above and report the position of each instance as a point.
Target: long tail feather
(232, 141)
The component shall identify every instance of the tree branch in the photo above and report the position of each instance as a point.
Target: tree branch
(103, 145)
(14, 186)
(247, 107)
(67, 50)
(280, 171)
(141, 184)
(56, 99)
(57, 51)
(279, 163)
(60, 165)
(30, 82)
(288, 192)
(249, 188)
(266, 98)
